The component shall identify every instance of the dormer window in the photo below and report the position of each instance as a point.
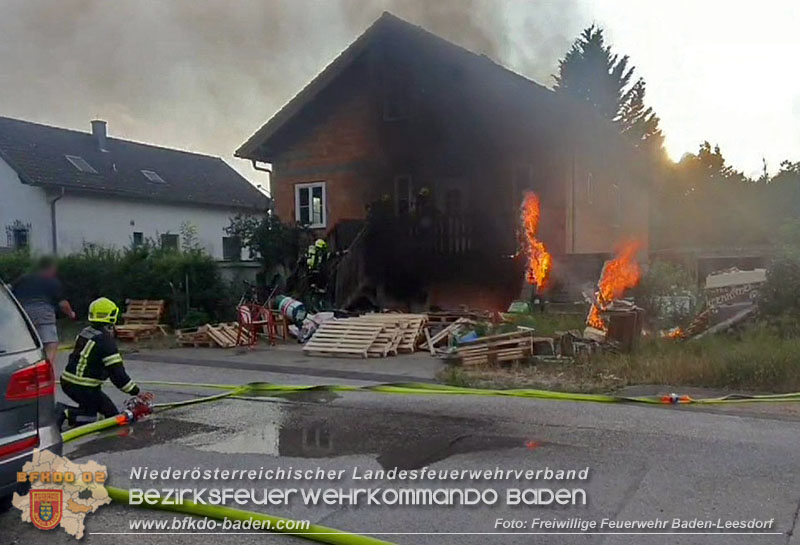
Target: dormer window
(80, 163)
(152, 176)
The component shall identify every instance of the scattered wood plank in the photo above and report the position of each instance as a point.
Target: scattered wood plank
(223, 335)
(431, 349)
(450, 330)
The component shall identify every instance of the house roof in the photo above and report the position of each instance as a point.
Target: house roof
(39, 155)
(523, 89)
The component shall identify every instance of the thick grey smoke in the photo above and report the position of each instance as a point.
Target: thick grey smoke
(205, 74)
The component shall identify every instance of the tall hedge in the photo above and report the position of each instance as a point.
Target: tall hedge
(144, 272)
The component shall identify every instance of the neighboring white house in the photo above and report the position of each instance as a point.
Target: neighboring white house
(61, 189)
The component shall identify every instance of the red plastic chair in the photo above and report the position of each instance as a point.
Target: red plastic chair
(251, 318)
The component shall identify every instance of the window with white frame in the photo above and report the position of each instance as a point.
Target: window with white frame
(310, 204)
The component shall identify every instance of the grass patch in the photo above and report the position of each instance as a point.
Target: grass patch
(756, 360)
(546, 324)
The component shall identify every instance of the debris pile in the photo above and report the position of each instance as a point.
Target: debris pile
(731, 298)
(443, 333)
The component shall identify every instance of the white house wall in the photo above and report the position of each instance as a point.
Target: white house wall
(25, 204)
(111, 222)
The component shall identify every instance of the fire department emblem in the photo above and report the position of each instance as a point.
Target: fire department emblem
(46, 508)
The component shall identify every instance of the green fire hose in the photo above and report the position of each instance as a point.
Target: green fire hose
(415, 388)
(331, 536)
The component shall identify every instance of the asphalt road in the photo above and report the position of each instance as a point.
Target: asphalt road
(644, 462)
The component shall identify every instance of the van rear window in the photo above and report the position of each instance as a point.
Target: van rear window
(14, 333)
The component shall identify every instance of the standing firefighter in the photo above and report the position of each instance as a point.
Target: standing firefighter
(316, 256)
(94, 359)
(316, 260)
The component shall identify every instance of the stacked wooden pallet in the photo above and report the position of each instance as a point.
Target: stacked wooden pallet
(142, 317)
(143, 311)
(137, 332)
(410, 326)
(370, 335)
(223, 335)
(514, 346)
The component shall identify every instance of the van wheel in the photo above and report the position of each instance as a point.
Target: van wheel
(5, 503)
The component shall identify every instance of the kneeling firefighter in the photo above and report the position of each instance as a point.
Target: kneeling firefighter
(94, 359)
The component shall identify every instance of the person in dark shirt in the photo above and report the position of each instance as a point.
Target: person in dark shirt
(95, 359)
(40, 294)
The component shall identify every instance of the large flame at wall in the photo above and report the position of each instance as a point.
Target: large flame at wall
(619, 274)
(539, 260)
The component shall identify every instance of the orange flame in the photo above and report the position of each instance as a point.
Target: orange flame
(619, 274)
(677, 333)
(539, 260)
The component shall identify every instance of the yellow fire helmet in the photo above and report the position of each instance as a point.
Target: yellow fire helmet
(103, 310)
(321, 244)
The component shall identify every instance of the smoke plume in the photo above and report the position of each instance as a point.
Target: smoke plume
(204, 75)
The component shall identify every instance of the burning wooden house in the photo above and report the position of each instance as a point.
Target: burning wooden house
(415, 155)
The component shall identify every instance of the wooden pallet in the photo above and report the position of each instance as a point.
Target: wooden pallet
(410, 324)
(386, 343)
(513, 346)
(348, 337)
(143, 311)
(136, 332)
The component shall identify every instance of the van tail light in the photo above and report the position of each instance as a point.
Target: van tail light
(32, 382)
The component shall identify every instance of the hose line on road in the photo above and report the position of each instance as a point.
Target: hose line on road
(331, 536)
(121, 420)
(415, 388)
(320, 534)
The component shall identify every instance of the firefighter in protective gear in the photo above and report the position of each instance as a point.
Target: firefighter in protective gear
(94, 359)
(316, 255)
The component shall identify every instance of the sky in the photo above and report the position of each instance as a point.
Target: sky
(204, 75)
(719, 71)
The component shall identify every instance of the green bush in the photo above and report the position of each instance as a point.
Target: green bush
(780, 294)
(195, 318)
(91, 274)
(185, 280)
(14, 264)
(779, 297)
